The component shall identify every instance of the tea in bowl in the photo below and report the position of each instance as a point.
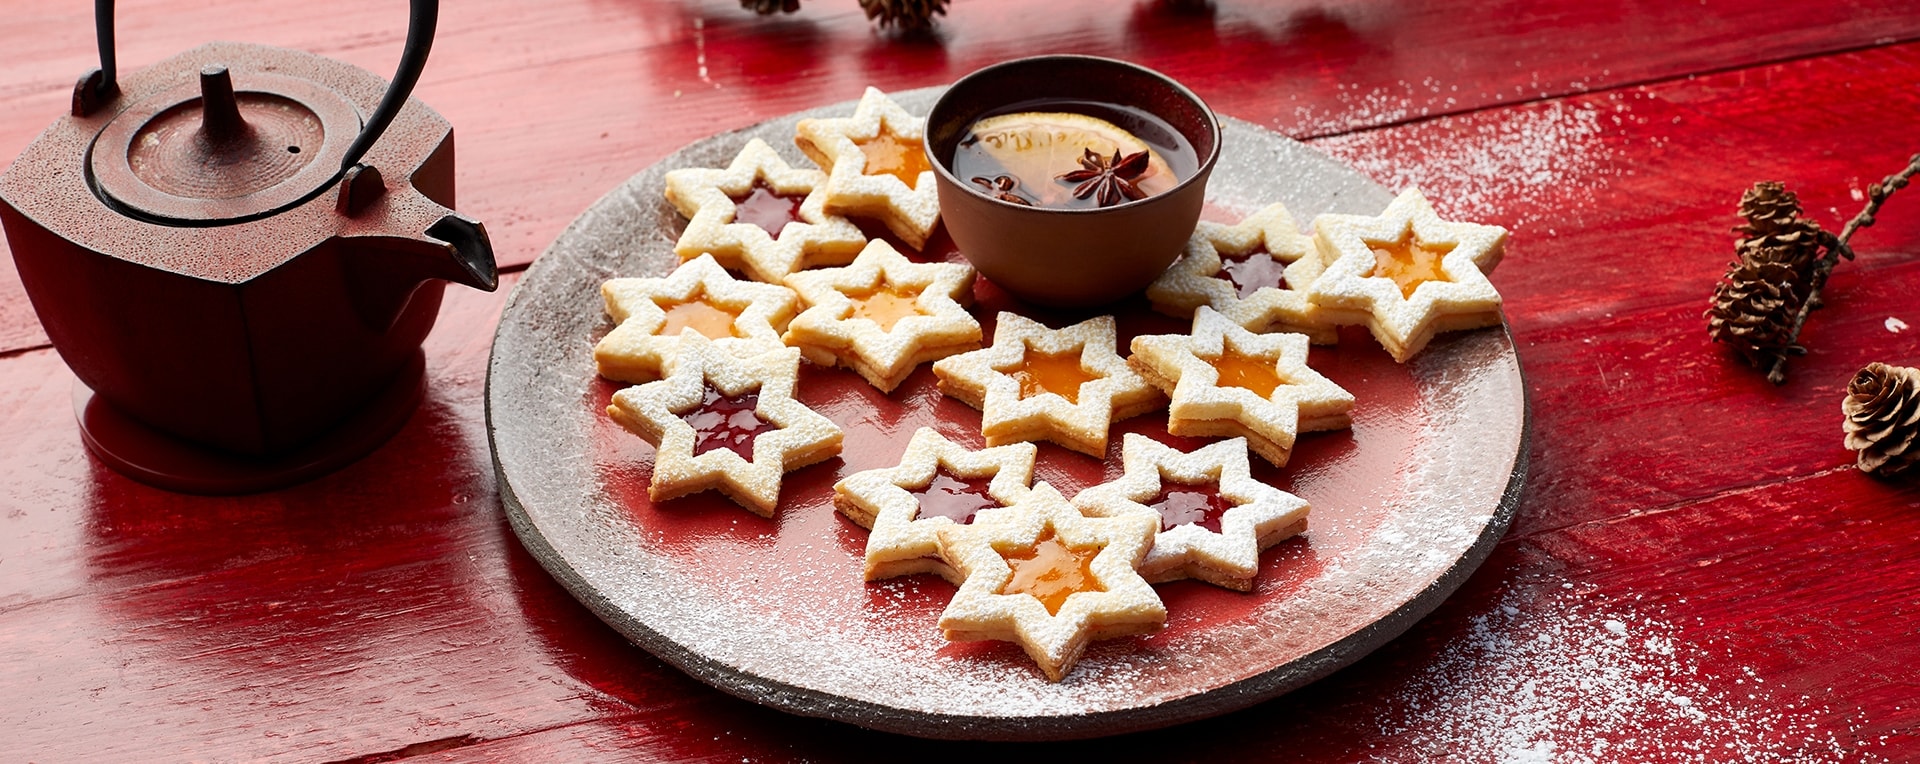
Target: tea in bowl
(1071, 181)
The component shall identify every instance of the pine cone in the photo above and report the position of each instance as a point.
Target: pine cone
(1794, 250)
(1776, 233)
(1768, 208)
(1753, 309)
(770, 7)
(1883, 418)
(906, 14)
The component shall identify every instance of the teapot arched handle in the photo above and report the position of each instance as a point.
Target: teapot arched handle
(422, 18)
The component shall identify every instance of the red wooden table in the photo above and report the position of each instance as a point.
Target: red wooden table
(1697, 572)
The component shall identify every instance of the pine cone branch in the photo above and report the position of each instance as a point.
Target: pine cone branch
(1882, 411)
(1782, 261)
(1838, 247)
(905, 14)
(1766, 287)
(770, 7)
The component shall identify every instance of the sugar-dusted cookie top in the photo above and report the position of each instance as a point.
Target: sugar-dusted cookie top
(1255, 272)
(1034, 383)
(1214, 518)
(724, 422)
(760, 216)
(1406, 274)
(876, 166)
(883, 315)
(1226, 381)
(1050, 579)
(742, 317)
(937, 484)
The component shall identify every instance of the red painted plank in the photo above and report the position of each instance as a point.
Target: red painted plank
(1693, 573)
(556, 103)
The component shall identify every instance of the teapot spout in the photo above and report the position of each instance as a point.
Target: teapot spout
(470, 252)
(385, 271)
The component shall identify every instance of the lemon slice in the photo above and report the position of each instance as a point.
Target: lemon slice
(1038, 146)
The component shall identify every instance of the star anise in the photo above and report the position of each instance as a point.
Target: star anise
(1001, 187)
(1109, 180)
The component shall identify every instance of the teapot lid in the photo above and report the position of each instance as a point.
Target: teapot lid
(225, 149)
(234, 148)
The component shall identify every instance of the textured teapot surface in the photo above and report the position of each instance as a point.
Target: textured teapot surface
(253, 304)
(123, 180)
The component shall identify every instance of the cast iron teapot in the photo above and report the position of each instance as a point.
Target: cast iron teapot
(227, 251)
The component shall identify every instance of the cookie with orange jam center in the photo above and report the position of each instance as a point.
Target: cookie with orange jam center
(1406, 274)
(1045, 577)
(876, 166)
(1035, 383)
(883, 315)
(742, 317)
(1226, 381)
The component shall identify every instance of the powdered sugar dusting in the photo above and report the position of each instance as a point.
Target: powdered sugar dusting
(1553, 678)
(1549, 157)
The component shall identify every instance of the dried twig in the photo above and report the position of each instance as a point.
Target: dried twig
(1838, 247)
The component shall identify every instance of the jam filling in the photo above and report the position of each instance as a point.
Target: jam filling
(699, 315)
(954, 498)
(767, 208)
(1057, 373)
(886, 306)
(1254, 374)
(1253, 270)
(889, 154)
(1051, 571)
(1410, 262)
(1198, 504)
(726, 421)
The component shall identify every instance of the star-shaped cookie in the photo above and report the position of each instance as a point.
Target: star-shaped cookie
(938, 484)
(876, 166)
(1050, 579)
(727, 423)
(1034, 383)
(760, 216)
(1226, 381)
(1406, 274)
(742, 317)
(1214, 518)
(884, 315)
(1255, 272)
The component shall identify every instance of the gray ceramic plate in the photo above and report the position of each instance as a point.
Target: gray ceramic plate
(1406, 504)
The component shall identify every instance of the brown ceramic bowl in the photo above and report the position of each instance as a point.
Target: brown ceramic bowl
(1059, 257)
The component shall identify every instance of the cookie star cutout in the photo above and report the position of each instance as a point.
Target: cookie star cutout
(1226, 381)
(938, 484)
(1406, 274)
(884, 315)
(725, 423)
(1214, 518)
(741, 317)
(1050, 580)
(760, 216)
(1256, 273)
(1034, 383)
(876, 166)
